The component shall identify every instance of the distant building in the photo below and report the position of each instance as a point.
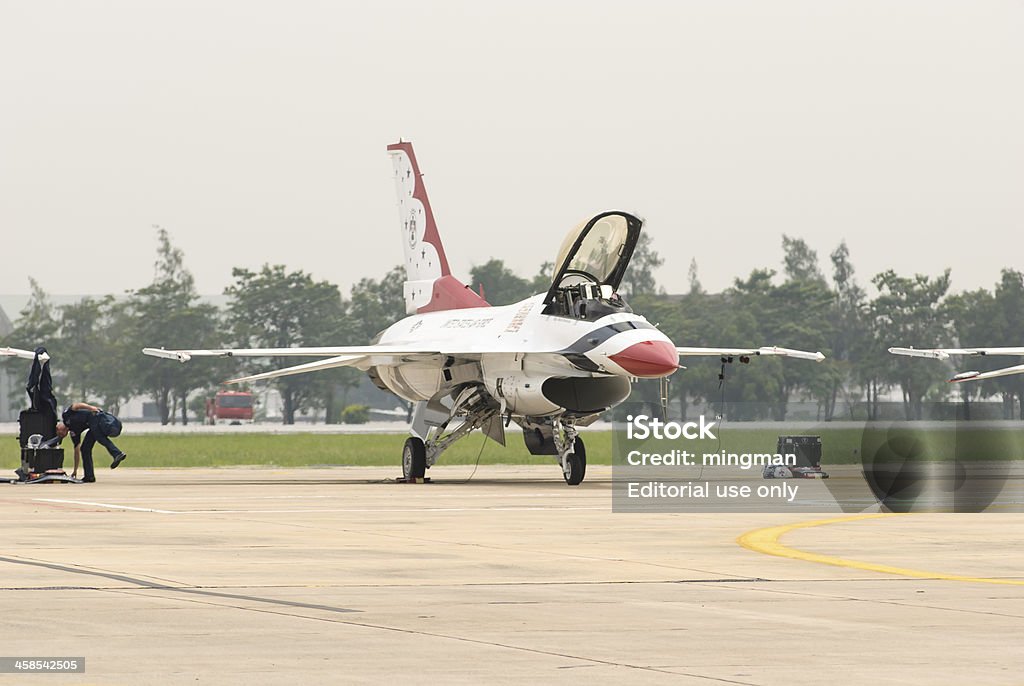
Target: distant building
(8, 380)
(6, 327)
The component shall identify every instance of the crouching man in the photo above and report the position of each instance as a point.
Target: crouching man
(98, 427)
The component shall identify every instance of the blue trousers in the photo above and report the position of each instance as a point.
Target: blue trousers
(101, 428)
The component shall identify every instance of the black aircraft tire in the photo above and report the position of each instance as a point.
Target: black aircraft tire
(577, 462)
(414, 458)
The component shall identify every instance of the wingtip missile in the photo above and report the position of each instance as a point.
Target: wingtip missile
(167, 354)
(790, 352)
(914, 352)
(964, 376)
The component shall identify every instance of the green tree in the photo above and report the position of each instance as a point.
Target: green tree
(790, 315)
(274, 308)
(37, 325)
(693, 277)
(719, 319)
(1009, 313)
(96, 358)
(167, 313)
(849, 342)
(541, 282)
(972, 313)
(38, 321)
(800, 262)
(801, 317)
(858, 352)
(82, 353)
(639, 277)
(374, 306)
(909, 310)
(982, 318)
(501, 286)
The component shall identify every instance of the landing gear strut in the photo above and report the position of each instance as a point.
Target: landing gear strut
(472, 409)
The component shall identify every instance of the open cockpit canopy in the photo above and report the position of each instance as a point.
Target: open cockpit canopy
(590, 266)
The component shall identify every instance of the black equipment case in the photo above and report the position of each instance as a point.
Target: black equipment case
(807, 453)
(40, 464)
(807, 450)
(40, 460)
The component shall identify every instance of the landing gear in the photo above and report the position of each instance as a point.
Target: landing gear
(572, 454)
(574, 465)
(414, 458)
(471, 409)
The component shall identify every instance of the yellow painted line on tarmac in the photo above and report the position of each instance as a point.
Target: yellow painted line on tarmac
(767, 541)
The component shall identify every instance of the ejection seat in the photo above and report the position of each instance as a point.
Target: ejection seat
(590, 266)
(41, 460)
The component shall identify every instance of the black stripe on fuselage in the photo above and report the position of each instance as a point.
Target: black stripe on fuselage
(576, 353)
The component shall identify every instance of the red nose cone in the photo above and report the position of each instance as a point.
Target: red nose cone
(648, 359)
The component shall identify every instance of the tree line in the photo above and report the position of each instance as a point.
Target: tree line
(804, 304)
(96, 342)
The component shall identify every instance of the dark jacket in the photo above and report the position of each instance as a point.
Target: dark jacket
(100, 422)
(40, 386)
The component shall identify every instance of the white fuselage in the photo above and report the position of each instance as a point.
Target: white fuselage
(512, 350)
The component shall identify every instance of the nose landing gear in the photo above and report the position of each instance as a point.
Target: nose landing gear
(574, 465)
(572, 454)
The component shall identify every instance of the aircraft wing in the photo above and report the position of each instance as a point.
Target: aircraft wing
(946, 353)
(356, 350)
(978, 376)
(343, 356)
(740, 352)
(23, 354)
(319, 365)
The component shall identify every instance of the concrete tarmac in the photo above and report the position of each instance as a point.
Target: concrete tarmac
(267, 576)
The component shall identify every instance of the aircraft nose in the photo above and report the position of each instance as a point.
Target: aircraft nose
(648, 359)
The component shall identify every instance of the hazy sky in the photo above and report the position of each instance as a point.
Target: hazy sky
(256, 132)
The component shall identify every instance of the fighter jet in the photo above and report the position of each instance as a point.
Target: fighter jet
(946, 353)
(551, 363)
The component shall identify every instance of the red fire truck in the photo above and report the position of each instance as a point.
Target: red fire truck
(234, 407)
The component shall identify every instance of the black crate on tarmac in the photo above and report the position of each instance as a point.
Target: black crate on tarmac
(806, 448)
(807, 453)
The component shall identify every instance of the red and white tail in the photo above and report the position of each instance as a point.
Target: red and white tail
(429, 284)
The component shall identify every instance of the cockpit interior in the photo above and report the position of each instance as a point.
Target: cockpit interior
(591, 264)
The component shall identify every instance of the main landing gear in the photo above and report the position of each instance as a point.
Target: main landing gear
(472, 409)
(414, 459)
(556, 436)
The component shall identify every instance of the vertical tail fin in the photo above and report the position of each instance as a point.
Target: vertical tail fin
(429, 284)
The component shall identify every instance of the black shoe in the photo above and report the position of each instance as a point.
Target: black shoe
(118, 460)
(88, 479)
